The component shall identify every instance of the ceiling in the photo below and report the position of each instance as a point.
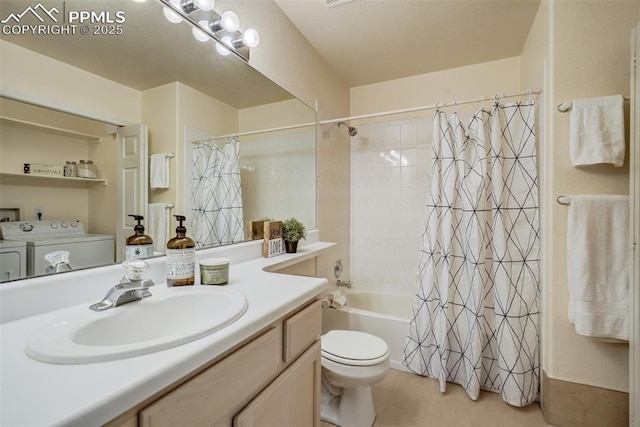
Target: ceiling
(149, 53)
(364, 41)
(369, 41)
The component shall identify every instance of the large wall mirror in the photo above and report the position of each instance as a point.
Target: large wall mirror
(71, 94)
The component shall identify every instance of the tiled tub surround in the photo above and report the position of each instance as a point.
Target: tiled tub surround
(92, 394)
(390, 167)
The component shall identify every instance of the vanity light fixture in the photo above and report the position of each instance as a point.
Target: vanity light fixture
(187, 6)
(222, 48)
(171, 15)
(223, 28)
(228, 21)
(249, 38)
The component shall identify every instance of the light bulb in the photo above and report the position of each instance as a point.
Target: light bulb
(222, 49)
(200, 35)
(250, 37)
(171, 15)
(205, 5)
(229, 21)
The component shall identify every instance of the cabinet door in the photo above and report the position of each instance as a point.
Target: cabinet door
(293, 399)
(215, 395)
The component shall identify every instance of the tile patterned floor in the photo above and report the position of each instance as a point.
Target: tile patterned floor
(406, 400)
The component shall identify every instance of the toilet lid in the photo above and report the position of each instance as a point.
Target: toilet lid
(354, 348)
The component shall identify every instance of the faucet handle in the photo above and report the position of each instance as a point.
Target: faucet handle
(134, 269)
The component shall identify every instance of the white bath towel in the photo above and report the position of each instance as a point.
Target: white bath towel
(158, 225)
(598, 265)
(597, 131)
(159, 171)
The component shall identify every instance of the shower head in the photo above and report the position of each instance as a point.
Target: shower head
(352, 131)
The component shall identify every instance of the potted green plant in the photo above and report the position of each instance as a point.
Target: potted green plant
(292, 231)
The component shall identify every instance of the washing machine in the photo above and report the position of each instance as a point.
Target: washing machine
(13, 260)
(42, 237)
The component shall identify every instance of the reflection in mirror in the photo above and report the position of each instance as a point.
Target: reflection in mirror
(68, 97)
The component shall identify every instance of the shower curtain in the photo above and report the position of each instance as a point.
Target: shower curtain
(216, 195)
(475, 320)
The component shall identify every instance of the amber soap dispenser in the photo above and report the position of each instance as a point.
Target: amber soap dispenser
(181, 257)
(138, 245)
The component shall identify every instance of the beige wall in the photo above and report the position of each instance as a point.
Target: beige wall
(586, 46)
(288, 59)
(160, 114)
(35, 78)
(474, 81)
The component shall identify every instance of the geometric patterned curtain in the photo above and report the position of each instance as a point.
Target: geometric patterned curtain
(475, 319)
(216, 195)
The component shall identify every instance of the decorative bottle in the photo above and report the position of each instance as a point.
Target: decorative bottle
(181, 257)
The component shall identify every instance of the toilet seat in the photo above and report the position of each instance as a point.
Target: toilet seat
(354, 348)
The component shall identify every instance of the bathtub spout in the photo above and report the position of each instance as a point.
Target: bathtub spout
(344, 283)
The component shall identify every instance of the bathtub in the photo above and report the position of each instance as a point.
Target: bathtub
(385, 314)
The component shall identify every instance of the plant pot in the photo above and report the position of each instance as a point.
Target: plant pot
(291, 247)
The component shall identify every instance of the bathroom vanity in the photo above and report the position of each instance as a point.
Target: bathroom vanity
(262, 369)
(271, 379)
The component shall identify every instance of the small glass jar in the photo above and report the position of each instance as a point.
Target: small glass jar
(70, 169)
(86, 169)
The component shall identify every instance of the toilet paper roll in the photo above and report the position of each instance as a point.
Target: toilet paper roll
(335, 294)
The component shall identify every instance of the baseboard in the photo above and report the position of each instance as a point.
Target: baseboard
(567, 404)
(399, 366)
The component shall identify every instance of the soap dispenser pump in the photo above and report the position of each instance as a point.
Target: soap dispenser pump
(181, 257)
(138, 245)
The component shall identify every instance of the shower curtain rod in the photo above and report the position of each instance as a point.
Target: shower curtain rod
(367, 116)
(254, 132)
(431, 107)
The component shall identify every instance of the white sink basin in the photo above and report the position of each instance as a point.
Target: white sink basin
(171, 318)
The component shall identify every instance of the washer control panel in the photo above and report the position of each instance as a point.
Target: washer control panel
(22, 229)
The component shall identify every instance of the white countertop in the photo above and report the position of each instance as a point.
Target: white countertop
(35, 393)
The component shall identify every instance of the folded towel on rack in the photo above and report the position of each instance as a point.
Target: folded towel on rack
(598, 265)
(157, 225)
(159, 171)
(597, 131)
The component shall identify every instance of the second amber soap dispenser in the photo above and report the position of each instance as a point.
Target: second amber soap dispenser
(181, 257)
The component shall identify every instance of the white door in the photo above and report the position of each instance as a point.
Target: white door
(132, 181)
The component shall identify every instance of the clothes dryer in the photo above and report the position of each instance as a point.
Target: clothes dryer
(41, 237)
(13, 260)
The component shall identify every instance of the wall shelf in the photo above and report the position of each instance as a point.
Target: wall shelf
(49, 181)
(58, 131)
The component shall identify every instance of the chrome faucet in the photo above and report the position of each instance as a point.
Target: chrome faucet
(132, 287)
(344, 283)
(59, 261)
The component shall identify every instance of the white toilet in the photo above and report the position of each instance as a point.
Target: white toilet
(352, 362)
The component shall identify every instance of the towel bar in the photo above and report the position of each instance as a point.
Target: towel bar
(564, 200)
(565, 107)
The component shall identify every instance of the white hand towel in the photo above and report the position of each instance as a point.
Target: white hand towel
(339, 302)
(598, 265)
(597, 131)
(159, 171)
(158, 225)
